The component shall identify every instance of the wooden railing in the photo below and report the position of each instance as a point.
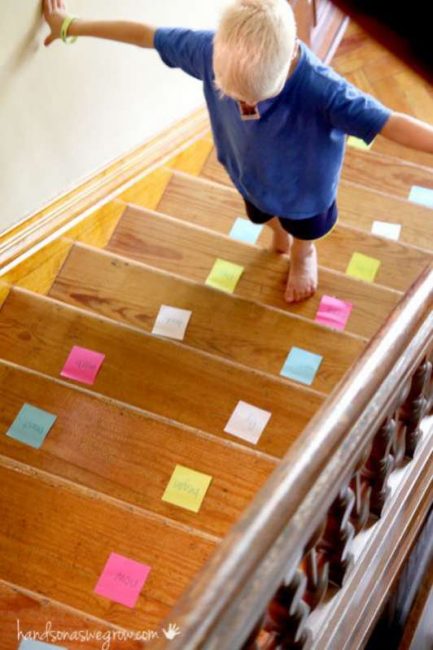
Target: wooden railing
(292, 547)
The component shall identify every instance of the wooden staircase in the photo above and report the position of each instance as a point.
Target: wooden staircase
(95, 486)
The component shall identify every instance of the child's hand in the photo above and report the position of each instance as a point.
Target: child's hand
(54, 13)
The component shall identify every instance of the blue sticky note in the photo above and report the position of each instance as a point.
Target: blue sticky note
(31, 426)
(245, 230)
(301, 366)
(421, 195)
(29, 644)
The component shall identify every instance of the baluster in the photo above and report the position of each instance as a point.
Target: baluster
(338, 535)
(316, 569)
(361, 511)
(379, 465)
(415, 406)
(287, 614)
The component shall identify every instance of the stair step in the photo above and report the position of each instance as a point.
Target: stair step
(358, 207)
(113, 449)
(215, 207)
(385, 173)
(189, 250)
(243, 331)
(376, 171)
(23, 612)
(56, 538)
(157, 375)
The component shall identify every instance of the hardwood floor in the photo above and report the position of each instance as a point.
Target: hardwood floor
(373, 69)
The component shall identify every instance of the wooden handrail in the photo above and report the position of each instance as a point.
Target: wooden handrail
(221, 607)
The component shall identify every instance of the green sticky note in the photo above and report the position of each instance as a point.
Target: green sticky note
(363, 267)
(31, 426)
(357, 143)
(187, 488)
(224, 275)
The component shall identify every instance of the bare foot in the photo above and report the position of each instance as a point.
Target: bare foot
(302, 281)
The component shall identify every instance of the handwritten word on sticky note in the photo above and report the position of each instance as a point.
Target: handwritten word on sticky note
(333, 312)
(122, 580)
(357, 143)
(385, 229)
(172, 322)
(247, 422)
(187, 488)
(224, 275)
(245, 230)
(31, 426)
(82, 365)
(421, 195)
(29, 644)
(363, 267)
(301, 365)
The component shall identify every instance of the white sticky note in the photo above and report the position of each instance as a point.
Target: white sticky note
(388, 230)
(171, 322)
(247, 422)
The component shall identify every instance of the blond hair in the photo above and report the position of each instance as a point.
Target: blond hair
(253, 48)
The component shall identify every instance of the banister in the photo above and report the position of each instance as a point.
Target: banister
(221, 607)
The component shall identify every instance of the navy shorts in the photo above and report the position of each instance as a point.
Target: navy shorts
(309, 228)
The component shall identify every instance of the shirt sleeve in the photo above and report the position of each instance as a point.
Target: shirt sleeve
(184, 48)
(355, 112)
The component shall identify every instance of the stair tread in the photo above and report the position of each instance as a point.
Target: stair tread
(56, 539)
(212, 207)
(385, 173)
(189, 250)
(358, 207)
(374, 170)
(159, 376)
(246, 332)
(113, 449)
(23, 612)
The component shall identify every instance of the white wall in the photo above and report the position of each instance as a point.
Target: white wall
(67, 111)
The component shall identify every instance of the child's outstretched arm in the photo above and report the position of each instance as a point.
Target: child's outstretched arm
(409, 131)
(115, 30)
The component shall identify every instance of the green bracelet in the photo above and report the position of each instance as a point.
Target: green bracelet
(64, 30)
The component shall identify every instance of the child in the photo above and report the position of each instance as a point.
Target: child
(279, 117)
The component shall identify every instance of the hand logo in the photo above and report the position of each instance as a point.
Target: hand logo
(172, 631)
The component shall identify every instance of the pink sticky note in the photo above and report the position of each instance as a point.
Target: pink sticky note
(122, 580)
(333, 312)
(82, 365)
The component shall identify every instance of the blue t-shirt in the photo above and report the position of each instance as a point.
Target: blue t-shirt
(288, 162)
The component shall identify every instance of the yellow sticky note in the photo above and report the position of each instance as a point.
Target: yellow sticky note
(224, 275)
(357, 143)
(363, 267)
(187, 488)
